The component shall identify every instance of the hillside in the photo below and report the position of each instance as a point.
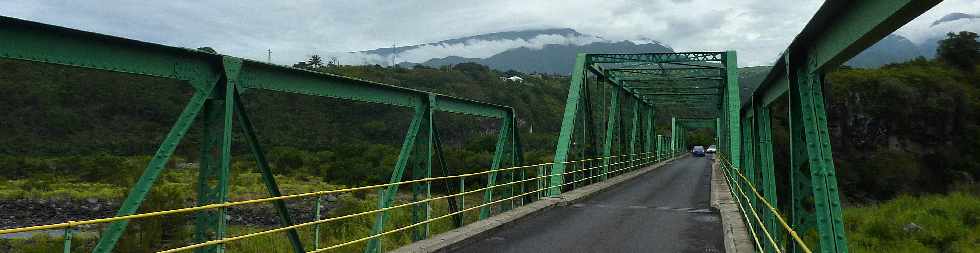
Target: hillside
(550, 51)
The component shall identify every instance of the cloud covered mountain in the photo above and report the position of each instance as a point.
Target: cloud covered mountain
(542, 51)
(897, 48)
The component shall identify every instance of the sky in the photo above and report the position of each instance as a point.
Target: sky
(758, 29)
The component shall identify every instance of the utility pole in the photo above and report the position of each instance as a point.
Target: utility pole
(268, 58)
(393, 54)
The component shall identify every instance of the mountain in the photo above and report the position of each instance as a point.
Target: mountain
(552, 58)
(549, 51)
(893, 48)
(896, 48)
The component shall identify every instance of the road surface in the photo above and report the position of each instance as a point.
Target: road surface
(665, 210)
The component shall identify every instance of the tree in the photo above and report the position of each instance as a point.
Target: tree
(960, 50)
(315, 61)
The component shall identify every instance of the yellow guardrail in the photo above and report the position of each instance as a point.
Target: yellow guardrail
(730, 172)
(633, 160)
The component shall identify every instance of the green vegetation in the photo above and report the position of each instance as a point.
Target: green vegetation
(930, 223)
(905, 128)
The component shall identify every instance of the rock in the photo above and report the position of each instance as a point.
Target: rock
(92, 200)
(912, 227)
(331, 198)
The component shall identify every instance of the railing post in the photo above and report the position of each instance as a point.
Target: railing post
(67, 240)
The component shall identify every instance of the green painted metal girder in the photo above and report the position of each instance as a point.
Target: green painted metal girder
(26, 40)
(657, 68)
(217, 79)
(498, 155)
(732, 102)
(661, 71)
(693, 123)
(268, 178)
(257, 75)
(575, 90)
(655, 57)
(635, 77)
(676, 94)
(675, 87)
(595, 70)
(767, 169)
(387, 196)
(611, 125)
(32, 41)
(840, 30)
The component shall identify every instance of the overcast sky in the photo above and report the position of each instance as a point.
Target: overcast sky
(758, 29)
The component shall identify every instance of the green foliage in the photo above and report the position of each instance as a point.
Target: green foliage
(961, 50)
(701, 137)
(933, 223)
(904, 128)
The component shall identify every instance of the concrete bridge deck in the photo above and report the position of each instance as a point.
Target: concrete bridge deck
(664, 210)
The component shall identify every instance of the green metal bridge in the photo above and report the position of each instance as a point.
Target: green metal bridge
(608, 129)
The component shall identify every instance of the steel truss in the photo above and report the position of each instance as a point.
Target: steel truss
(839, 31)
(218, 82)
(640, 88)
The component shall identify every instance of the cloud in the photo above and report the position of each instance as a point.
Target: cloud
(758, 29)
(468, 49)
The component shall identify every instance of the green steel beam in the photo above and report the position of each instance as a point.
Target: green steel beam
(838, 31)
(267, 177)
(498, 155)
(634, 130)
(677, 94)
(31, 41)
(611, 124)
(767, 168)
(567, 124)
(387, 196)
(732, 102)
(656, 57)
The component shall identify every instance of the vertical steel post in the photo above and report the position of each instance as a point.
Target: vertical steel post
(136, 195)
(215, 163)
(767, 167)
(267, 177)
(732, 107)
(498, 156)
(388, 195)
(66, 248)
(808, 90)
(634, 132)
(673, 134)
(316, 227)
(611, 125)
(717, 133)
(567, 124)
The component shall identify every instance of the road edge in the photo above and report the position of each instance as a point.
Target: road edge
(460, 237)
(735, 235)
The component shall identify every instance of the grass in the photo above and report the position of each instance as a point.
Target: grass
(332, 233)
(58, 189)
(931, 223)
(175, 189)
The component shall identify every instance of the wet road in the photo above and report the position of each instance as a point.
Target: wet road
(665, 210)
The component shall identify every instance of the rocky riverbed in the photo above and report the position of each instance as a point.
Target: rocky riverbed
(29, 212)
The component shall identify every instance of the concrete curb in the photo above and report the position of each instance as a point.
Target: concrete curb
(733, 226)
(460, 237)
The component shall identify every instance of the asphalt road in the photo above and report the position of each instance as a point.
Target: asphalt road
(665, 210)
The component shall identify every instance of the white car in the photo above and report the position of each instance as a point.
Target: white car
(711, 149)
